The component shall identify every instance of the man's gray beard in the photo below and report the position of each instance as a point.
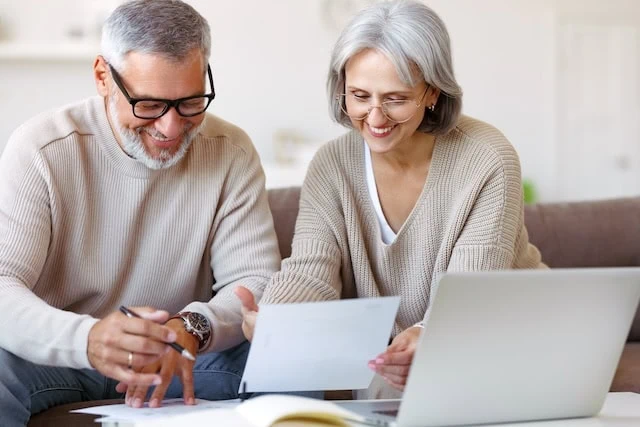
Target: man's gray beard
(132, 142)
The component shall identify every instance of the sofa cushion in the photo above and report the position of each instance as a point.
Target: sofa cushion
(284, 203)
(586, 234)
(603, 233)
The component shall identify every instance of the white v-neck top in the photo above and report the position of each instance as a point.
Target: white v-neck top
(386, 232)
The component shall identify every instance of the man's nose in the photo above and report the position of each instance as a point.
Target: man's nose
(170, 124)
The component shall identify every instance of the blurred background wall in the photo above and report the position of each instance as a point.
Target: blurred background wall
(558, 77)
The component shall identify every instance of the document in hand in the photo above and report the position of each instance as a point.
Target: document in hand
(266, 411)
(319, 345)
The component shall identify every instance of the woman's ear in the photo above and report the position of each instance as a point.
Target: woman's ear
(100, 74)
(432, 96)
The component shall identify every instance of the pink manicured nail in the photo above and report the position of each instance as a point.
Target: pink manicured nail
(157, 381)
(380, 361)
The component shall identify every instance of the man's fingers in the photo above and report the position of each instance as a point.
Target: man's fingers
(149, 329)
(187, 384)
(138, 360)
(131, 378)
(128, 398)
(166, 372)
(131, 390)
(158, 316)
(124, 357)
(121, 387)
(246, 297)
(145, 350)
(138, 396)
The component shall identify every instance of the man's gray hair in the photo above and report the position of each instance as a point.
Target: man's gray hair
(170, 28)
(414, 39)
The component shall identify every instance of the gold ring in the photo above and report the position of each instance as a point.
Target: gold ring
(130, 360)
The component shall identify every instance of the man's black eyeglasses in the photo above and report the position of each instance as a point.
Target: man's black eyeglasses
(149, 108)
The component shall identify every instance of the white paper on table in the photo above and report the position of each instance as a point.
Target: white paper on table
(170, 407)
(318, 345)
(208, 418)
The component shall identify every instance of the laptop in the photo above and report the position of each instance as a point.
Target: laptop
(517, 345)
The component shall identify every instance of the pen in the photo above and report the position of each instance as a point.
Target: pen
(177, 347)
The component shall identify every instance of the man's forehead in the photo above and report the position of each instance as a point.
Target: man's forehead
(141, 70)
(141, 63)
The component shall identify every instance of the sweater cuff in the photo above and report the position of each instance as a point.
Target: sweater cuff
(80, 358)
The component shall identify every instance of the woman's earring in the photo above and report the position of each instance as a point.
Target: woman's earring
(432, 108)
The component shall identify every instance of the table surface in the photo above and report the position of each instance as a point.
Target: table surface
(619, 410)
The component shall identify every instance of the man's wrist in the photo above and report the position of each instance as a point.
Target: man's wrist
(197, 325)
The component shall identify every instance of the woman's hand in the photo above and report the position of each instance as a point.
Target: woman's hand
(393, 365)
(249, 311)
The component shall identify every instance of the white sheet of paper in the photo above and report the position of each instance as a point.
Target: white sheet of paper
(319, 345)
(170, 407)
(209, 418)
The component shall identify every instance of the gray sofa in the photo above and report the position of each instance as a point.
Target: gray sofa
(582, 234)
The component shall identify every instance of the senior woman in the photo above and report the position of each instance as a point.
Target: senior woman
(412, 191)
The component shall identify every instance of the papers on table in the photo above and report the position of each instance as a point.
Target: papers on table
(318, 346)
(169, 408)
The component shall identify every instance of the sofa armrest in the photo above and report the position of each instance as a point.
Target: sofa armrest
(627, 376)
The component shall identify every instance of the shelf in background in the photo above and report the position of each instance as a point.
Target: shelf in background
(60, 51)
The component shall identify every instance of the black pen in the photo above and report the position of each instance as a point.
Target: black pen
(177, 347)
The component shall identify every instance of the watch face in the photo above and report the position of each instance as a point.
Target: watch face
(198, 322)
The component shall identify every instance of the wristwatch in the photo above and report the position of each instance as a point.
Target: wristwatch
(197, 325)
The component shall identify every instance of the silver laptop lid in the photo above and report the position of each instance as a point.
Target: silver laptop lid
(520, 345)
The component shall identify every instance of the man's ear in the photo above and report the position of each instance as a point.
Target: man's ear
(100, 75)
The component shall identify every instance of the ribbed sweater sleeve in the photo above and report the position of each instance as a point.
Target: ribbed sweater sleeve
(312, 273)
(244, 250)
(30, 327)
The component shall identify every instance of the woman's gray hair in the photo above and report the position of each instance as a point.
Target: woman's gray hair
(414, 39)
(170, 28)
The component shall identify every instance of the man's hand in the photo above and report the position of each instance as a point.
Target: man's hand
(172, 363)
(117, 341)
(393, 365)
(249, 311)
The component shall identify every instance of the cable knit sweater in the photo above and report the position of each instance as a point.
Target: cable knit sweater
(468, 217)
(84, 228)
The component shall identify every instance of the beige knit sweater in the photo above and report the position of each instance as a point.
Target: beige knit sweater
(85, 228)
(468, 217)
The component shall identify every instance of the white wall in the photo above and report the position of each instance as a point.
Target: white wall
(270, 59)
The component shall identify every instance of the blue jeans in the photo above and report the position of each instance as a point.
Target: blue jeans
(27, 388)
